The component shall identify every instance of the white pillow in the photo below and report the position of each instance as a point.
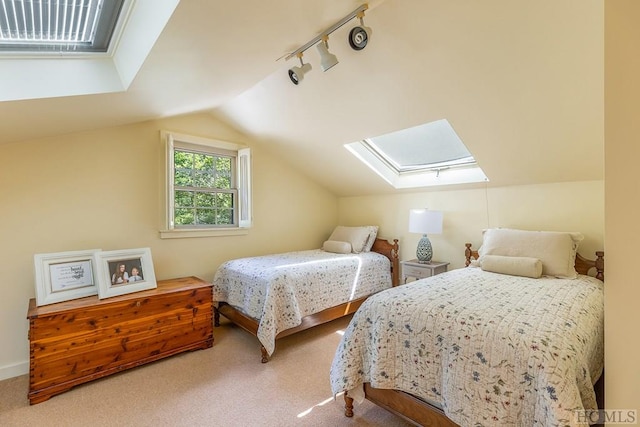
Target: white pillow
(557, 250)
(357, 236)
(373, 233)
(514, 266)
(337, 247)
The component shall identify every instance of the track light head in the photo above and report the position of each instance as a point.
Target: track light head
(327, 59)
(296, 74)
(359, 35)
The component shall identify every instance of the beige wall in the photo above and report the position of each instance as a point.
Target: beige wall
(573, 206)
(622, 151)
(103, 189)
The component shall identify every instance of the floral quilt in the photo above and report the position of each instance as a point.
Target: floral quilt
(490, 349)
(279, 290)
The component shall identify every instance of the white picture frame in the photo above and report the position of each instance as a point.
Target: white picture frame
(63, 276)
(117, 269)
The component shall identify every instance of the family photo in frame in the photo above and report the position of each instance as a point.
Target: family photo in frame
(124, 271)
(65, 276)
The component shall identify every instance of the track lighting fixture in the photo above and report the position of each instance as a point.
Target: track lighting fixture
(359, 35)
(296, 74)
(327, 59)
(358, 38)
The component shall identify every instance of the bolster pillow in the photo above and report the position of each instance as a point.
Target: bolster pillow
(337, 247)
(514, 266)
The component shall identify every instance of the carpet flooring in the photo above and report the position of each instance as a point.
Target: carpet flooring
(222, 385)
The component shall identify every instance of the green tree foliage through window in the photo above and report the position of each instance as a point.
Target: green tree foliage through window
(208, 186)
(204, 195)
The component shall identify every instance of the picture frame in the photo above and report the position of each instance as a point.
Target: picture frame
(64, 276)
(124, 271)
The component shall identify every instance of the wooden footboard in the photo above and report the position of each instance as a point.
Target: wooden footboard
(403, 405)
(251, 325)
(421, 412)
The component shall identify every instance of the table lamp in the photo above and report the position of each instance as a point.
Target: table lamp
(425, 222)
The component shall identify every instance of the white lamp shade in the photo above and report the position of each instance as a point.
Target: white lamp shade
(424, 221)
(327, 59)
(296, 74)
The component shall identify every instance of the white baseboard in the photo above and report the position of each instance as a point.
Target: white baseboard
(10, 371)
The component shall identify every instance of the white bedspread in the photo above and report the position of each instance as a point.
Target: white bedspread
(279, 290)
(492, 349)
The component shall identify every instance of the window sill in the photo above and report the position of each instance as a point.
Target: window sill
(185, 234)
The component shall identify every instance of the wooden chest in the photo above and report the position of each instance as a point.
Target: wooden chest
(77, 341)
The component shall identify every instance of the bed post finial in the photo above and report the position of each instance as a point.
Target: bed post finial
(467, 254)
(395, 263)
(348, 405)
(600, 265)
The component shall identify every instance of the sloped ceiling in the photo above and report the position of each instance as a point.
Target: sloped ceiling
(520, 82)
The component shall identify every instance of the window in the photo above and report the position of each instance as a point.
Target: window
(425, 155)
(57, 25)
(208, 185)
(76, 47)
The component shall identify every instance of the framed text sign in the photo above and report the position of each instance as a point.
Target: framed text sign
(64, 276)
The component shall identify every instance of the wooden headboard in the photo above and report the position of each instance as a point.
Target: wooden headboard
(583, 265)
(390, 250)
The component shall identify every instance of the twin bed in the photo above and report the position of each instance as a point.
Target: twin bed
(514, 339)
(480, 347)
(274, 296)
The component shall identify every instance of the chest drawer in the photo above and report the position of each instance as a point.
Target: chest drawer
(417, 272)
(421, 271)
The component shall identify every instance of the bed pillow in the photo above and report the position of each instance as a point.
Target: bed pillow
(337, 247)
(512, 265)
(373, 233)
(557, 250)
(357, 236)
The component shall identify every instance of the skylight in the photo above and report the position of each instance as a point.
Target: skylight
(54, 26)
(51, 48)
(424, 155)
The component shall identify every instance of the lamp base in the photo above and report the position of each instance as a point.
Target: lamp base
(424, 251)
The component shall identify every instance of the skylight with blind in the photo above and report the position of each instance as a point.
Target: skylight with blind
(57, 26)
(425, 155)
(52, 48)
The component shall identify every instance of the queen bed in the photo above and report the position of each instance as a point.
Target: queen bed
(514, 339)
(274, 296)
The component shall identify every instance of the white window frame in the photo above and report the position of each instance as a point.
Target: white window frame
(457, 170)
(242, 180)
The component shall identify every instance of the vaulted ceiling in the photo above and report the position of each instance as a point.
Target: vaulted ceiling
(520, 82)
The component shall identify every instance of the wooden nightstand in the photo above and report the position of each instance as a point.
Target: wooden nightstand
(413, 268)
